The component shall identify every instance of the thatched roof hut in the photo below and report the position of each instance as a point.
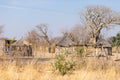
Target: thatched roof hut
(20, 42)
(104, 43)
(66, 41)
(21, 47)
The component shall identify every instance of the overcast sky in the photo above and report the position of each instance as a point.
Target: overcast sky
(20, 16)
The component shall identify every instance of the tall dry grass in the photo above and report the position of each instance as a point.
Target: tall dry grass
(92, 69)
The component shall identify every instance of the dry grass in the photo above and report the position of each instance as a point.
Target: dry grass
(92, 70)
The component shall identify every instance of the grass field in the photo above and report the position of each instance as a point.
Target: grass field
(43, 70)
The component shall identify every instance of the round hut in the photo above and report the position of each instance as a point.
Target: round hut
(21, 48)
(105, 46)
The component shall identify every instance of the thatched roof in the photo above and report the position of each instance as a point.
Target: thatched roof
(20, 42)
(56, 40)
(104, 43)
(66, 42)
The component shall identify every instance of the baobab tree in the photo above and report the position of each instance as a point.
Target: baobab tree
(95, 18)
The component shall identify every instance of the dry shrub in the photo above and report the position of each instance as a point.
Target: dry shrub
(92, 69)
(18, 70)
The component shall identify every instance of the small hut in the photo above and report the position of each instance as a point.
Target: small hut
(105, 46)
(65, 44)
(21, 48)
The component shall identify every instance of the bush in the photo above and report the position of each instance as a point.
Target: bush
(63, 65)
(80, 51)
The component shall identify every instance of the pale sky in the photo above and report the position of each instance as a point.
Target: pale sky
(20, 16)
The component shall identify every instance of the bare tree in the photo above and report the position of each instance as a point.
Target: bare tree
(95, 18)
(42, 30)
(39, 36)
(32, 37)
(79, 35)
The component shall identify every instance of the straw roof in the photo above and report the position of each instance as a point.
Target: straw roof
(20, 42)
(104, 43)
(66, 42)
(56, 40)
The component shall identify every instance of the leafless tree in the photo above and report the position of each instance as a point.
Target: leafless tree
(79, 35)
(39, 36)
(32, 37)
(95, 18)
(42, 30)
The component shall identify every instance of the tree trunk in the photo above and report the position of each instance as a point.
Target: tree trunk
(49, 47)
(95, 47)
(94, 40)
(96, 37)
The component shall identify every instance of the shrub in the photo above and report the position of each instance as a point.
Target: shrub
(80, 51)
(63, 65)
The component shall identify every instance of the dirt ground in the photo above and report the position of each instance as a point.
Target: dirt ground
(48, 57)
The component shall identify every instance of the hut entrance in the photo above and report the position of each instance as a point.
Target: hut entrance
(7, 46)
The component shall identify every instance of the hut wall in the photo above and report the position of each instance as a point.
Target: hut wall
(40, 50)
(105, 51)
(2, 47)
(88, 50)
(60, 50)
(116, 49)
(17, 50)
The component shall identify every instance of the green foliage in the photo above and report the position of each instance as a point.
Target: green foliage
(80, 51)
(115, 40)
(118, 39)
(63, 65)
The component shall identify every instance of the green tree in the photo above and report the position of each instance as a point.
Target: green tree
(115, 40)
(118, 39)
